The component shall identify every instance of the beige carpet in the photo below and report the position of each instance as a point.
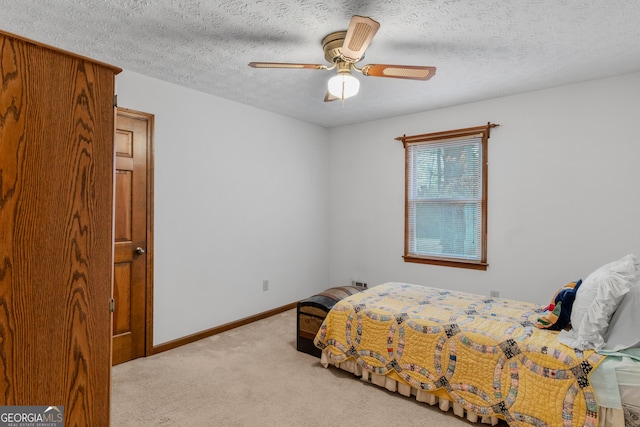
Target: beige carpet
(253, 376)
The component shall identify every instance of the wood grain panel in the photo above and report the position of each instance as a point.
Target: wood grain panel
(56, 180)
(124, 143)
(122, 294)
(124, 181)
(12, 128)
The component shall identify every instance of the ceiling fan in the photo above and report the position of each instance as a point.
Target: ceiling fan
(344, 49)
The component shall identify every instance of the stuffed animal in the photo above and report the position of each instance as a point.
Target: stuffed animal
(557, 315)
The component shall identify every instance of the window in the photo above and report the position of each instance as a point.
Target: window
(446, 197)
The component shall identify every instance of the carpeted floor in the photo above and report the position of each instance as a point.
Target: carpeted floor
(253, 376)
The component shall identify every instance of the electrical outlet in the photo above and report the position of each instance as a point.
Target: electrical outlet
(495, 294)
(265, 285)
(359, 284)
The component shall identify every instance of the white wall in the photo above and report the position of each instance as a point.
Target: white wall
(563, 190)
(240, 197)
(243, 195)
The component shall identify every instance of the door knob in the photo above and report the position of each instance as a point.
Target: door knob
(139, 250)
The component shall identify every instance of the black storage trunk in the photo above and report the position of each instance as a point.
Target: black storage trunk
(312, 312)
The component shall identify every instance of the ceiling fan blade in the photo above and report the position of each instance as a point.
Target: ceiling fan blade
(359, 35)
(286, 65)
(329, 97)
(413, 72)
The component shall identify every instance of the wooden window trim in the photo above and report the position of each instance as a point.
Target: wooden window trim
(484, 132)
(446, 262)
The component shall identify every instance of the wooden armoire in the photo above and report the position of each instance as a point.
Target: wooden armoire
(56, 224)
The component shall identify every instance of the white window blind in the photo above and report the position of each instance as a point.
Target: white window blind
(444, 199)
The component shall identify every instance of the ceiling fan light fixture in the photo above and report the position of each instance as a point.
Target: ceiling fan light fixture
(343, 86)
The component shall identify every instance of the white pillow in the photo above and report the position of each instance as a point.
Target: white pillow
(597, 300)
(624, 327)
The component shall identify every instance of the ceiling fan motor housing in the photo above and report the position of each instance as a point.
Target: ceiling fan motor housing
(332, 46)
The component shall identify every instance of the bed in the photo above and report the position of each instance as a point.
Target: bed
(489, 358)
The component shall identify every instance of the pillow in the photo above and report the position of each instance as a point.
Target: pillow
(597, 300)
(624, 327)
(557, 315)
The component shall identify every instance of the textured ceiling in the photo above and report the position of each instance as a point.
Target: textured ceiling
(481, 48)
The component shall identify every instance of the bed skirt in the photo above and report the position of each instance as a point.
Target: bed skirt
(607, 417)
(390, 384)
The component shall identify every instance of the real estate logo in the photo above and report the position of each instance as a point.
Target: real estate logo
(31, 416)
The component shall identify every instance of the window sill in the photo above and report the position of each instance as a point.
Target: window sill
(474, 265)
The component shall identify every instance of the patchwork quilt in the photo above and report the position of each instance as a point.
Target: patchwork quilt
(483, 353)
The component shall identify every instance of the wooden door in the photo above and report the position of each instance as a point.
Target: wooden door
(132, 235)
(56, 223)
